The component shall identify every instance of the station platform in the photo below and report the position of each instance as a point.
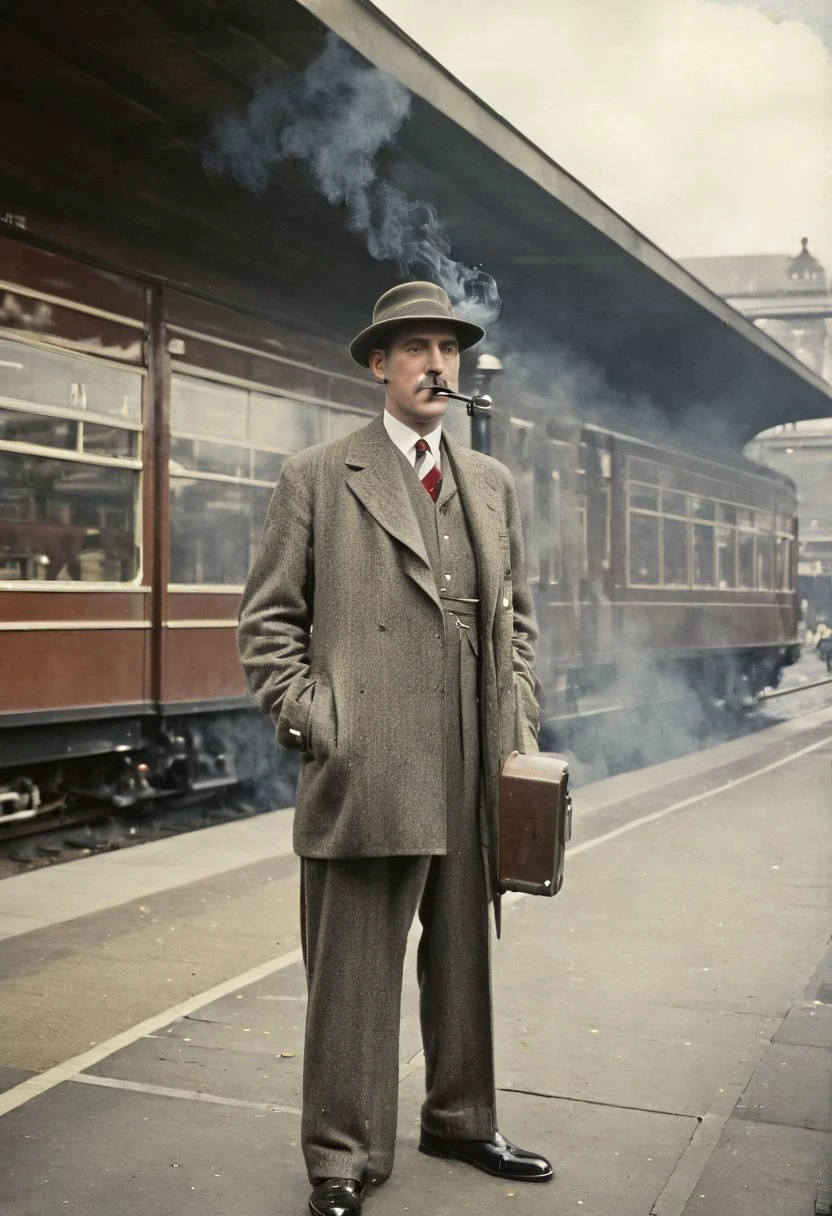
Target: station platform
(663, 1027)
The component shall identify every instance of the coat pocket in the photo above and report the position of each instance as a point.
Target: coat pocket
(322, 725)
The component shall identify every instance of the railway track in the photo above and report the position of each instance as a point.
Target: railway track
(70, 831)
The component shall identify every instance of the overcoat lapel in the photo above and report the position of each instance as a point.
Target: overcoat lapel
(377, 481)
(481, 503)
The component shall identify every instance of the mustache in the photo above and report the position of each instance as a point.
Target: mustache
(430, 385)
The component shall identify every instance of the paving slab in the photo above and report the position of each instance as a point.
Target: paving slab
(247, 1046)
(607, 1161)
(808, 1023)
(761, 1169)
(99, 1152)
(81, 982)
(791, 1085)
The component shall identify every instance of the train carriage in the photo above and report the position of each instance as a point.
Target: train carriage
(141, 432)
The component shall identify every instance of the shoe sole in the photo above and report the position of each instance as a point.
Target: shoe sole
(444, 1156)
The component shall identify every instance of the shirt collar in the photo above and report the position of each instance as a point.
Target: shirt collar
(405, 438)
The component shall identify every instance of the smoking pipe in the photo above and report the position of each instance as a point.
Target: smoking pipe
(481, 402)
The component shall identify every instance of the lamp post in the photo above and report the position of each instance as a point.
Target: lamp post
(488, 366)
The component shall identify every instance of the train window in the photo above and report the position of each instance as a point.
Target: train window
(285, 424)
(203, 409)
(726, 543)
(266, 465)
(583, 536)
(549, 513)
(111, 441)
(228, 444)
(67, 434)
(203, 455)
(643, 498)
(644, 550)
(605, 525)
(69, 382)
(703, 555)
(783, 555)
(702, 508)
(675, 571)
(70, 466)
(66, 520)
(726, 512)
(215, 528)
(745, 559)
(45, 432)
(745, 517)
(674, 504)
(764, 563)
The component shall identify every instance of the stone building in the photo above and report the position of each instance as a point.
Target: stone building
(791, 299)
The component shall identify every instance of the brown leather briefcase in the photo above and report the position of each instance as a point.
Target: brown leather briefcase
(535, 822)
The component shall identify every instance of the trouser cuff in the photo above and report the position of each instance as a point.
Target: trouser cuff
(334, 1165)
(472, 1124)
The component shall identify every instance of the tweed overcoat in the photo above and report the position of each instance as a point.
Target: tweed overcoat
(342, 638)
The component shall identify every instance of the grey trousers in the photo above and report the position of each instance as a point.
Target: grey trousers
(356, 915)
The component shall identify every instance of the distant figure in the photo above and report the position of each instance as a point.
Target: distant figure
(404, 549)
(90, 565)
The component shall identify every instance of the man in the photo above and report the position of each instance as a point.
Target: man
(387, 627)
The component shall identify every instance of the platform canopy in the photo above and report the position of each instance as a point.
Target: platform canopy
(105, 110)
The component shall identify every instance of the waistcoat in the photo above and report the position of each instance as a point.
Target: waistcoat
(445, 533)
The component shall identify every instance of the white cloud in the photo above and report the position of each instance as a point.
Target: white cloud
(817, 14)
(705, 124)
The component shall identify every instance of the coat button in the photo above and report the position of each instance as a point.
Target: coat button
(505, 602)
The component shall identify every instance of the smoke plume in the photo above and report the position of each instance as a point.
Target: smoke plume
(336, 118)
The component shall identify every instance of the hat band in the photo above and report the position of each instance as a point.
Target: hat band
(415, 308)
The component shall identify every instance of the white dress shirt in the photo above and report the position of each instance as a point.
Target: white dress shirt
(405, 440)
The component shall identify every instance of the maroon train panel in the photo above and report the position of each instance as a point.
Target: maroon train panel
(200, 664)
(685, 627)
(106, 606)
(52, 670)
(203, 605)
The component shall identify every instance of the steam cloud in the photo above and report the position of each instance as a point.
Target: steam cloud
(336, 117)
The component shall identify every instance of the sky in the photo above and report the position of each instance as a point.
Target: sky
(707, 124)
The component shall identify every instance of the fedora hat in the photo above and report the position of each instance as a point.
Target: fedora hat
(411, 302)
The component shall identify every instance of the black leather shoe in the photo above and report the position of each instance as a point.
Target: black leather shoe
(497, 1156)
(336, 1197)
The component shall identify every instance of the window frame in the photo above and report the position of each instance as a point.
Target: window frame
(770, 526)
(136, 463)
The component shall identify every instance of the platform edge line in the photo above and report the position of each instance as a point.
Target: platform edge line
(694, 798)
(184, 1095)
(68, 1070)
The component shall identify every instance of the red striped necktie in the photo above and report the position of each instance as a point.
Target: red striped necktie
(432, 479)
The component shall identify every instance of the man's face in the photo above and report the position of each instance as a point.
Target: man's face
(420, 357)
